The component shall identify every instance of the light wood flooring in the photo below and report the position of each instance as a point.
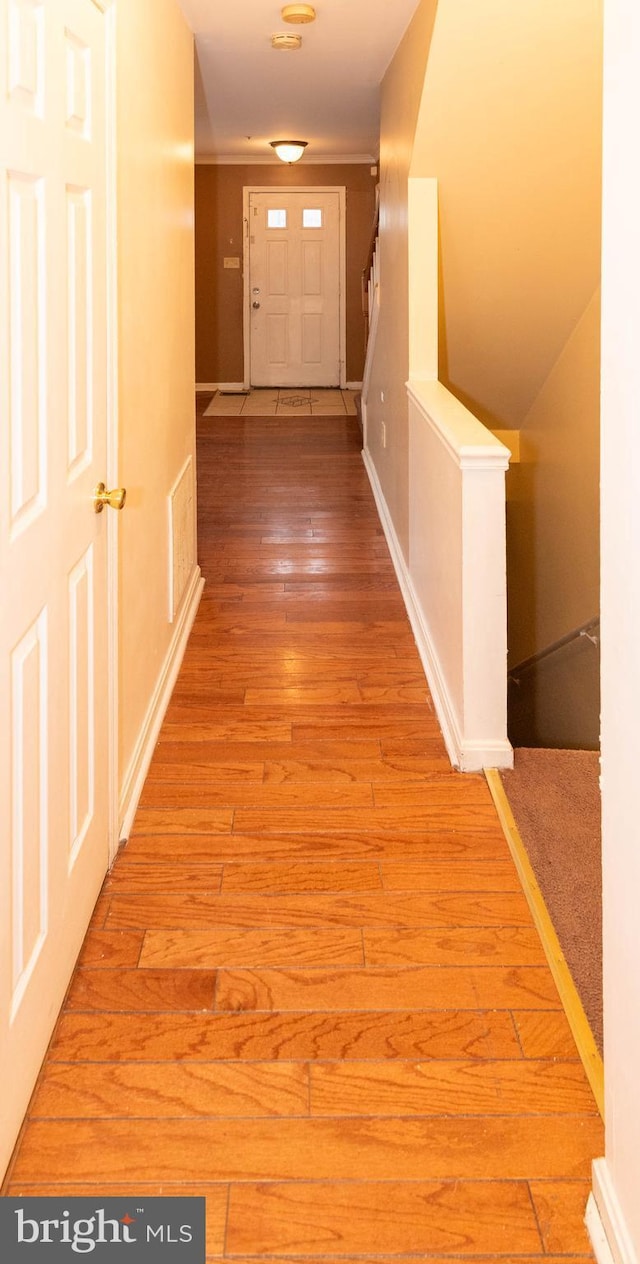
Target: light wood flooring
(312, 989)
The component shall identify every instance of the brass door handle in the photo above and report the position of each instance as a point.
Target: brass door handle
(114, 499)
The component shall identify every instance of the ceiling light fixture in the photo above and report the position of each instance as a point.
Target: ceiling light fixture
(298, 13)
(289, 150)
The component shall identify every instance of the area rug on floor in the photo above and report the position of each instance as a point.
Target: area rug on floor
(555, 798)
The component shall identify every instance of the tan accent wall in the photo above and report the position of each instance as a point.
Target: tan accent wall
(219, 233)
(510, 124)
(402, 90)
(553, 511)
(156, 329)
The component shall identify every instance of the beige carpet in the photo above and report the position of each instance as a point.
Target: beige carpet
(555, 798)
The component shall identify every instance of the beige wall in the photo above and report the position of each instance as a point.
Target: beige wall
(156, 330)
(510, 124)
(219, 232)
(401, 93)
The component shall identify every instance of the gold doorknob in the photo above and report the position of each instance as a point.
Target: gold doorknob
(114, 499)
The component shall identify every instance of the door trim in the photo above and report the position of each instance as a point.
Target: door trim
(108, 7)
(341, 190)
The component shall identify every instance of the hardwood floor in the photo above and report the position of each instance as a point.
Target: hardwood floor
(312, 990)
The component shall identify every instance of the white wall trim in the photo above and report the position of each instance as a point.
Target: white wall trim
(605, 1222)
(141, 758)
(468, 442)
(256, 160)
(113, 480)
(233, 387)
(469, 756)
(240, 388)
(341, 190)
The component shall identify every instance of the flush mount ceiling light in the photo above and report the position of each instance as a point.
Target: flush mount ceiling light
(286, 41)
(298, 13)
(289, 150)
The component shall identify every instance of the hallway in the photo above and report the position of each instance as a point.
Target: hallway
(312, 989)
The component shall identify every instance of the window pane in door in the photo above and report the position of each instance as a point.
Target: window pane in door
(276, 218)
(312, 217)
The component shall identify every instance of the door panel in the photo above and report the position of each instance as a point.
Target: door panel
(54, 665)
(294, 288)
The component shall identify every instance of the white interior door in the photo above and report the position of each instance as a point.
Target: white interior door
(294, 288)
(54, 668)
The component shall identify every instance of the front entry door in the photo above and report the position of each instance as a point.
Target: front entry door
(294, 288)
(54, 665)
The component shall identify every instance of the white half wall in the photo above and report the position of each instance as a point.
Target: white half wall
(454, 582)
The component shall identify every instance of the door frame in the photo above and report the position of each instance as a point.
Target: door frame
(341, 190)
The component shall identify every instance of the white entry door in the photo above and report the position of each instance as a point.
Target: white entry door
(294, 288)
(54, 666)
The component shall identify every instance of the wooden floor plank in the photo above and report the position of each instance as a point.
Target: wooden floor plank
(560, 1207)
(485, 1258)
(454, 946)
(317, 876)
(168, 877)
(291, 1036)
(312, 844)
(209, 948)
(111, 949)
(381, 909)
(501, 1149)
(450, 1088)
(422, 875)
(424, 987)
(472, 819)
(544, 1034)
(410, 768)
(191, 796)
(167, 1090)
(151, 990)
(366, 1219)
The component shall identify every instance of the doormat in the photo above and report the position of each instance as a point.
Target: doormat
(297, 401)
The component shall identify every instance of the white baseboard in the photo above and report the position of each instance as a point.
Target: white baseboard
(139, 763)
(605, 1222)
(241, 387)
(468, 756)
(235, 387)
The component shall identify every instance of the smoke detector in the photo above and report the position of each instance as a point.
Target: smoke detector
(298, 13)
(286, 41)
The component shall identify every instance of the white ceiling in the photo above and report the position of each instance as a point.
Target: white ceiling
(327, 93)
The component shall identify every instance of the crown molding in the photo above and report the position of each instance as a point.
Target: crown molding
(323, 160)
